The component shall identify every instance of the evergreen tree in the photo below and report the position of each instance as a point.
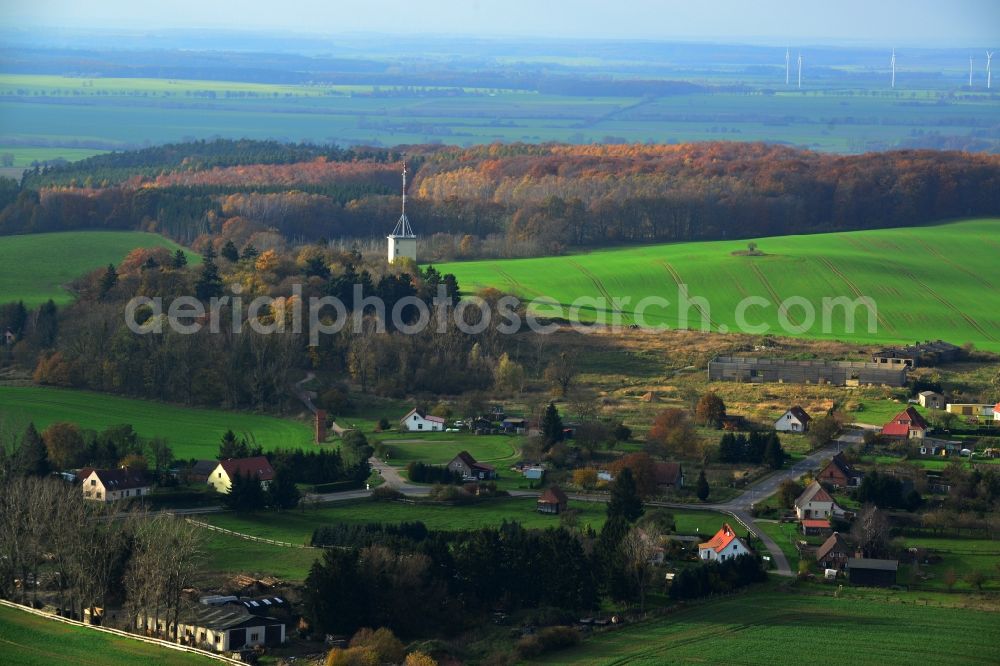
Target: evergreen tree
(552, 427)
(232, 446)
(774, 455)
(31, 457)
(230, 252)
(609, 562)
(46, 324)
(245, 495)
(108, 280)
(250, 252)
(282, 493)
(209, 283)
(180, 259)
(316, 267)
(702, 489)
(625, 501)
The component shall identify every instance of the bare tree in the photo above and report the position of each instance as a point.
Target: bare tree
(638, 548)
(871, 532)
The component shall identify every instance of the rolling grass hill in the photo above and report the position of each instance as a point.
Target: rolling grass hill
(927, 282)
(29, 640)
(191, 432)
(34, 267)
(761, 628)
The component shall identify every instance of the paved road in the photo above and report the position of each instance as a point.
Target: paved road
(739, 507)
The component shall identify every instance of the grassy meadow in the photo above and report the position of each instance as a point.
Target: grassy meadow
(191, 432)
(958, 300)
(29, 640)
(56, 259)
(761, 627)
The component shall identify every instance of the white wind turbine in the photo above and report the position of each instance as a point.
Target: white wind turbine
(989, 72)
(800, 70)
(788, 57)
(893, 83)
(970, 71)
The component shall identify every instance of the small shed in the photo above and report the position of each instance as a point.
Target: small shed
(872, 572)
(931, 400)
(553, 500)
(815, 527)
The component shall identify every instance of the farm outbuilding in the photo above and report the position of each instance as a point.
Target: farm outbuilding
(755, 370)
(872, 572)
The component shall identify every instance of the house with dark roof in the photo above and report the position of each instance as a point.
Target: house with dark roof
(219, 628)
(834, 552)
(794, 420)
(908, 424)
(417, 421)
(225, 471)
(931, 400)
(111, 485)
(815, 502)
(470, 469)
(553, 500)
(669, 475)
(201, 470)
(872, 572)
(723, 546)
(840, 474)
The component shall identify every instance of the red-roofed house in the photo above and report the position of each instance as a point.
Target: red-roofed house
(417, 421)
(815, 502)
(111, 485)
(257, 467)
(908, 424)
(723, 546)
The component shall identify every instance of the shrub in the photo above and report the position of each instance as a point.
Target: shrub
(547, 640)
(386, 494)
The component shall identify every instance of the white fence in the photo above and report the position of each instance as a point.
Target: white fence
(124, 634)
(249, 537)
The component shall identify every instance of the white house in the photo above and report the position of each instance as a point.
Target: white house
(217, 628)
(723, 546)
(111, 485)
(794, 420)
(257, 467)
(815, 502)
(416, 421)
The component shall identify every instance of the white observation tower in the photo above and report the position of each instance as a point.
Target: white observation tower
(402, 240)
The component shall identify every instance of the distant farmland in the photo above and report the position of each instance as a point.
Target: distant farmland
(191, 432)
(35, 267)
(927, 283)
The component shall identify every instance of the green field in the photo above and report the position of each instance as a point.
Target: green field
(771, 627)
(227, 555)
(35, 267)
(441, 449)
(191, 432)
(297, 526)
(52, 111)
(959, 555)
(927, 282)
(29, 640)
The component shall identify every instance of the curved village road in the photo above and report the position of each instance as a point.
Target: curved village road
(739, 507)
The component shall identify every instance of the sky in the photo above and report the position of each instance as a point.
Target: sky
(899, 22)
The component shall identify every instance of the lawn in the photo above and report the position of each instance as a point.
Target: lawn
(958, 555)
(763, 627)
(36, 267)
(961, 303)
(297, 526)
(227, 555)
(29, 640)
(191, 432)
(439, 449)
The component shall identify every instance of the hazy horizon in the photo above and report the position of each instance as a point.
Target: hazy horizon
(968, 23)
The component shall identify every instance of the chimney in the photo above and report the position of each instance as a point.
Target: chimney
(320, 426)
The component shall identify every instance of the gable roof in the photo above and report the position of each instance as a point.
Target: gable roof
(725, 536)
(928, 394)
(834, 543)
(841, 463)
(813, 493)
(120, 479)
(204, 467)
(667, 473)
(425, 417)
(872, 563)
(472, 463)
(896, 429)
(799, 414)
(257, 467)
(553, 495)
(910, 417)
(816, 522)
(220, 618)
